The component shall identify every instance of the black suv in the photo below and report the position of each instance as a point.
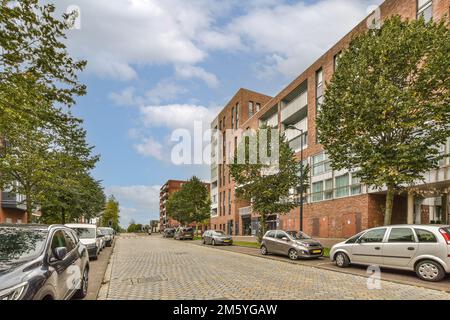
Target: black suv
(40, 262)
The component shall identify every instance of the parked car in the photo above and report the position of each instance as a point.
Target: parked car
(293, 244)
(90, 237)
(424, 249)
(40, 262)
(184, 233)
(108, 234)
(214, 237)
(168, 232)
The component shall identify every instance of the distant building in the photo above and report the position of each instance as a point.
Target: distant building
(169, 188)
(12, 209)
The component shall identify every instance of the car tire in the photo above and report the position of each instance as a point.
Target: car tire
(293, 254)
(429, 270)
(203, 241)
(264, 251)
(82, 292)
(213, 242)
(342, 260)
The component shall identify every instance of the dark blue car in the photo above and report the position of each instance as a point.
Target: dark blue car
(40, 262)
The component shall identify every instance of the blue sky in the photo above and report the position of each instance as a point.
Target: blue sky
(157, 65)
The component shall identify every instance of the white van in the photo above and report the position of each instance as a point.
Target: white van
(89, 236)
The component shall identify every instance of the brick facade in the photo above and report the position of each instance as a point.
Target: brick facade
(331, 218)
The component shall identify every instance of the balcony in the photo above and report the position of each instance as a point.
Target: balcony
(11, 200)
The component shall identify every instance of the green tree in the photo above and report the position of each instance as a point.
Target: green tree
(192, 203)
(36, 71)
(386, 110)
(268, 188)
(111, 213)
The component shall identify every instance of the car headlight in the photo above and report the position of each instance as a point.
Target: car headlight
(14, 293)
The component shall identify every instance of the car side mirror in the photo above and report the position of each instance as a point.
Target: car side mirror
(60, 253)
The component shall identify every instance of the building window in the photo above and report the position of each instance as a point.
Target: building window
(232, 118)
(237, 116)
(328, 193)
(356, 185)
(425, 9)
(321, 164)
(336, 59)
(257, 107)
(342, 187)
(250, 109)
(317, 189)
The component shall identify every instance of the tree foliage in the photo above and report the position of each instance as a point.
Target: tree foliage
(386, 110)
(110, 216)
(192, 203)
(268, 187)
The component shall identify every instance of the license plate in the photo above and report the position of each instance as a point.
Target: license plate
(317, 251)
(226, 240)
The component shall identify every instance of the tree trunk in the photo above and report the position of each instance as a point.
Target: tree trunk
(389, 205)
(262, 227)
(29, 208)
(444, 200)
(63, 216)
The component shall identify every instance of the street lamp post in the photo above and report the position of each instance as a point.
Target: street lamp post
(301, 177)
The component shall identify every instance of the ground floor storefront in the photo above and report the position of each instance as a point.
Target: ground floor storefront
(342, 218)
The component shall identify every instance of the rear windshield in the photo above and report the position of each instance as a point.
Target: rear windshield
(447, 229)
(17, 245)
(85, 233)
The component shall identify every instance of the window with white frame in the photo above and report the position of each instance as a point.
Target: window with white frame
(319, 89)
(356, 187)
(425, 9)
(250, 109)
(342, 186)
(321, 164)
(317, 189)
(328, 192)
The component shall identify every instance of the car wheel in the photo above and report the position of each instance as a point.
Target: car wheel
(429, 270)
(293, 254)
(342, 260)
(213, 242)
(203, 241)
(82, 292)
(264, 251)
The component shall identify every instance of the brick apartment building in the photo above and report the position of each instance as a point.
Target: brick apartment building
(169, 188)
(337, 204)
(11, 209)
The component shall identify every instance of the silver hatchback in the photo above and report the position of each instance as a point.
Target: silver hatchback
(291, 243)
(424, 249)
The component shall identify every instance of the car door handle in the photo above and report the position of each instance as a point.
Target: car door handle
(377, 248)
(411, 248)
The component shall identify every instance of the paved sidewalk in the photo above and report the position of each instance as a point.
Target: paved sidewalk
(399, 276)
(155, 268)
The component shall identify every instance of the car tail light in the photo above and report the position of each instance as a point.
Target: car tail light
(445, 235)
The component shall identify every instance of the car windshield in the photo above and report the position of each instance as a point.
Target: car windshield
(20, 244)
(298, 235)
(218, 233)
(85, 233)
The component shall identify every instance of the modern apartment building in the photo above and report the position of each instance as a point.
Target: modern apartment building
(337, 204)
(12, 209)
(169, 188)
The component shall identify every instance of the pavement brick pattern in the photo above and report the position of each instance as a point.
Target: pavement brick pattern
(144, 267)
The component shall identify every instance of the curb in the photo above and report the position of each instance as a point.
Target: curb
(104, 287)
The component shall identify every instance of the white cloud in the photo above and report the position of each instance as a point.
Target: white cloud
(293, 35)
(164, 90)
(149, 147)
(126, 97)
(189, 72)
(176, 116)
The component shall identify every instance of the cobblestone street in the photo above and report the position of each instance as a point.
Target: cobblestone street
(144, 267)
